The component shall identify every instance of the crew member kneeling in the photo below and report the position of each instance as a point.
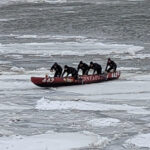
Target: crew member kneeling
(84, 67)
(70, 70)
(58, 70)
(111, 65)
(96, 67)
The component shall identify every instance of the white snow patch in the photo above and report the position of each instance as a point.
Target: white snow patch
(11, 106)
(5, 132)
(53, 140)
(3, 2)
(136, 0)
(45, 104)
(15, 85)
(141, 140)
(103, 122)
(17, 69)
(52, 37)
(41, 69)
(55, 1)
(135, 56)
(4, 62)
(14, 56)
(128, 68)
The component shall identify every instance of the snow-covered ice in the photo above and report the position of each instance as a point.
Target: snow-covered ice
(141, 140)
(109, 89)
(44, 104)
(53, 140)
(16, 69)
(81, 48)
(104, 122)
(113, 115)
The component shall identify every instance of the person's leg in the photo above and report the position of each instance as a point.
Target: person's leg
(99, 71)
(115, 67)
(109, 69)
(75, 75)
(86, 72)
(57, 74)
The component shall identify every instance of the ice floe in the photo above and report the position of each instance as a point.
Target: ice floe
(11, 106)
(31, 1)
(127, 68)
(45, 104)
(141, 140)
(77, 47)
(17, 69)
(14, 56)
(109, 88)
(133, 56)
(103, 122)
(52, 37)
(4, 62)
(53, 140)
(14, 82)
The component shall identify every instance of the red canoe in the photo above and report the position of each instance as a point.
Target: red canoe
(66, 81)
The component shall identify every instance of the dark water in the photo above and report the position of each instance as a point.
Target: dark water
(122, 21)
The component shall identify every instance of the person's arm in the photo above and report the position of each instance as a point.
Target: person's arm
(67, 74)
(63, 73)
(52, 68)
(94, 71)
(106, 67)
(78, 68)
(56, 69)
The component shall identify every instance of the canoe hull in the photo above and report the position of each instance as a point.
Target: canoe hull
(68, 81)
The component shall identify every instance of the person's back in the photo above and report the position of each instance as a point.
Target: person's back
(84, 67)
(57, 68)
(112, 65)
(96, 67)
(70, 70)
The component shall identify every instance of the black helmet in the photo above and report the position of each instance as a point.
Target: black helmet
(81, 62)
(55, 63)
(91, 63)
(109, 59)
(65, 66)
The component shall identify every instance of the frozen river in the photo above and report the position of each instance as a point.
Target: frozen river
(113, 115)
